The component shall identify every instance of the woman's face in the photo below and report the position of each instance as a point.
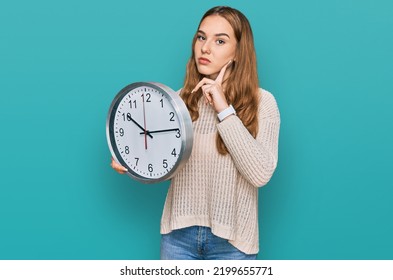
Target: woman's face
(215, 45)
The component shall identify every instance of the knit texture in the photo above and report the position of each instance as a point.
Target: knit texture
(221, 192)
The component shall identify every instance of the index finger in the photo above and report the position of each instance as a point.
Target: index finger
(220, 76)
(201, 83)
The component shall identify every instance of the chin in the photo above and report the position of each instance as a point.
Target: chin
(203, 70)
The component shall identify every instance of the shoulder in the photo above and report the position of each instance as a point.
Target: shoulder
(266, 96)
(267, 104)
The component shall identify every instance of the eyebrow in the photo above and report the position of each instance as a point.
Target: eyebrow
(217, 35)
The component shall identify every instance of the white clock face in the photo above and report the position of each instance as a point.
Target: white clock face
(146, 132)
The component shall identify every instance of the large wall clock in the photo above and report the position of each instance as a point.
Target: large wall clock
(149, 131)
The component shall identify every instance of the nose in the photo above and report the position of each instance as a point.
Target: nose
(206, 47)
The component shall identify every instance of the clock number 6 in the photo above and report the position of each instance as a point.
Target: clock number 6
(150, 167)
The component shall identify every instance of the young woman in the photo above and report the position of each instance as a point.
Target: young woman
(211, 209)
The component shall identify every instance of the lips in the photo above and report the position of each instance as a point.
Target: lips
(203, 61)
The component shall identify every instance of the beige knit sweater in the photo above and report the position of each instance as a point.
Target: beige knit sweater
(221, 192)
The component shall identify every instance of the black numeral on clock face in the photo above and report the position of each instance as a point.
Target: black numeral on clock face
(148, 96)
(174, 153)
(128, 116)
(150, 167)
(172, 119)
(165, 163)
(132, 102)
(127, 150)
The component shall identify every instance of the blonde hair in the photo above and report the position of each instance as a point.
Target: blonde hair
(241, 86)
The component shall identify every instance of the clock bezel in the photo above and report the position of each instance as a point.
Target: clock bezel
(185, 124)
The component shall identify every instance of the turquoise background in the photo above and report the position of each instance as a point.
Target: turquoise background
(328, 63)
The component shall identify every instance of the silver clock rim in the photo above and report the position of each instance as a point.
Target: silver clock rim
(185, 123)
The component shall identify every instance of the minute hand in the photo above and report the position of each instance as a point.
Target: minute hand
(158, 131)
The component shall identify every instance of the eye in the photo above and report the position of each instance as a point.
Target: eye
(200, 38)
(220, 42)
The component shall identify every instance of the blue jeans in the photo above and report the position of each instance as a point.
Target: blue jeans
(198, 243)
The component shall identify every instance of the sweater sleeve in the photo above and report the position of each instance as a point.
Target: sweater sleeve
(255, 159)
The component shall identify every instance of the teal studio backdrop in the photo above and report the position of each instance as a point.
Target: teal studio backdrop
(328, 63)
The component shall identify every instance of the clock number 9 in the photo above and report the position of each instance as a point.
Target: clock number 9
(121, 131)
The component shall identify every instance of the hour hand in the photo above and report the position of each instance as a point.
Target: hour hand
(162, 130)
(141, 127)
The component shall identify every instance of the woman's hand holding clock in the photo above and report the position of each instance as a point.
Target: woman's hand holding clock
(119, 168)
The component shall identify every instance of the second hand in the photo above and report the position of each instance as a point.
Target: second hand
(144, 120)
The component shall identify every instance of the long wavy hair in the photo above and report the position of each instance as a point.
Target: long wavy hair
(241, 86)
